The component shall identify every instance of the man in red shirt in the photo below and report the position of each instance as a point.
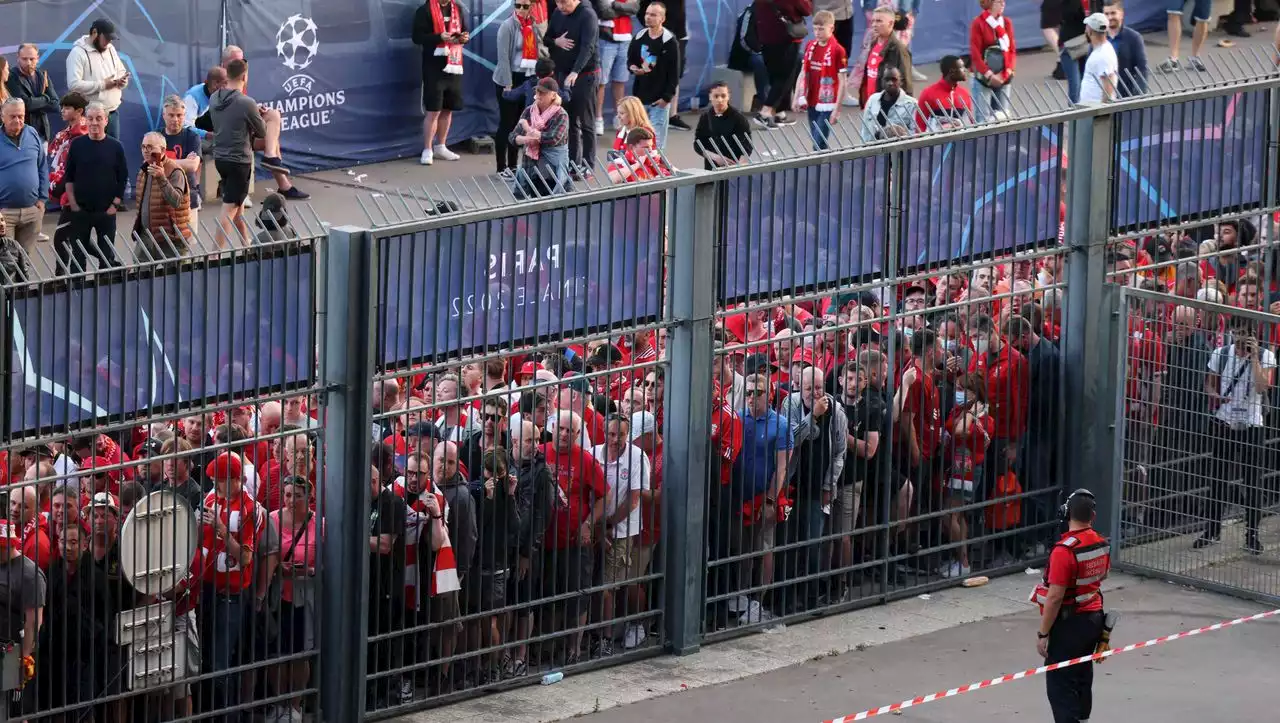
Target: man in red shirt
(581, 489)
(1071, 616)
(918, 411)
(947, 103)
(1008, 378)
(32, 527)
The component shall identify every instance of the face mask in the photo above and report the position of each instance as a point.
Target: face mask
(962, 397)
(980, 346)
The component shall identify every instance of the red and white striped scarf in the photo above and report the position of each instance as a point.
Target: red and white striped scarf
(997, 24)
(620, 28)
(451, 52)
(444, 577)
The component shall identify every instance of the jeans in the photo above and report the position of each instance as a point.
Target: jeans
(987, 101)
(761, 74)
(582, 120)
(660, 117)
(547, 176)
(113, 124)
(1071, 69)
(820, 128)
(81, 234)
(222, 619)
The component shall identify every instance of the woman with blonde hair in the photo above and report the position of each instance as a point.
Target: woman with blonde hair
(4, 79)
(631, 115)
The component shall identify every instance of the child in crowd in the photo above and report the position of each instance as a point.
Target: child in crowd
(545, 68)
(822, 79)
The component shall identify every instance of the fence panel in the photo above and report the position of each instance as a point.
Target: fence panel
(1200, 443)
(159, 459)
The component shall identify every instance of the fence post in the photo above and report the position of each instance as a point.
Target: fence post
(1091, 336)
(347, 316)
(693, 245)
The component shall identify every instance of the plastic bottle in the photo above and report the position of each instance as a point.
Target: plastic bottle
(552, 678)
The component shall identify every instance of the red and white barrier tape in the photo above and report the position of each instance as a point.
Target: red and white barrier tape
(1043, 669)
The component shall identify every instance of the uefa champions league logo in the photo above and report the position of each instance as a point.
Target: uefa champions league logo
(297, 42)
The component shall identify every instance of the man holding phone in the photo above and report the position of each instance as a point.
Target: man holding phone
(1240, 376)
(163, 225)
(95, 70)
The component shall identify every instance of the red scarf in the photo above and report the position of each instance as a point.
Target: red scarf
(871, 78)
(452, 52)
(620, 28)
(528, 44)
(821, 77)
(444, 575)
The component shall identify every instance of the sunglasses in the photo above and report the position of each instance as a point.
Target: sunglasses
(523, 6)
(491, 417)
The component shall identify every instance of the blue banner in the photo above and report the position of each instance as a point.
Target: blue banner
(521, 280)
(1195, 158)
(108, 350)
(981, 196)
(802, 228)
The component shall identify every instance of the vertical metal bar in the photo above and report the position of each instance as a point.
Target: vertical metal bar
(688, 411)
(347, 348)
(1088, 323)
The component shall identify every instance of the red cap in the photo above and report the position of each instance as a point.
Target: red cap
(803, 355)
(225, 466)
(528, 369)
(92, 464)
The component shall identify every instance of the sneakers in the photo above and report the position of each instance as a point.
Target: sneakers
(782, 119)
(917, 76)
(1198, 64)
(675, 121)
(442, 152)
(764, 121)
(851, 101)
(406, 690)
(603, 648)
(283, 714)
(635, 636)
(427, 158)
(954, 570)
(295, 194)
(275, 165)
(1203, 542)
(599, 126)
(1170, 65)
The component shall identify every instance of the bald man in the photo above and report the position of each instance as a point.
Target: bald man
(196, 99)
(462, 508)
(24, 515)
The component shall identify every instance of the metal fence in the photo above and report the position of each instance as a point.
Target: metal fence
(565, 433)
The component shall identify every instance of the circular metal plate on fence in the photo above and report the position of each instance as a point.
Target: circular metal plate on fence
(157, 542)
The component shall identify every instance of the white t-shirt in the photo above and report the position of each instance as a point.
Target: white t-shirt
(1102, 62)
(629, 472)
(1243, 407)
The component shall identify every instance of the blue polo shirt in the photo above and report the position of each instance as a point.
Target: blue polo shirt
(762, 438)
(24, 170)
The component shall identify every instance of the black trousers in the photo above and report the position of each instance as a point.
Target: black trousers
(782, 62)
(582, 118)
(1240, 456)
(80, 234)
(1241, 14)
(509, 112)
(1071, 689)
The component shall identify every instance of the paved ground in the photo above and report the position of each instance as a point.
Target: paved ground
(1227, 675)
(371, 194)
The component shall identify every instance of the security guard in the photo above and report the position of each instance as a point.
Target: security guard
(1071, 616)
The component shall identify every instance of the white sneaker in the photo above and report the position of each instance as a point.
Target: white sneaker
(443, 153)
(599, 126)
(248, 202)
(954, 570)
(426, 158)
(918, 76)
(634, 637)
(851, 101)
(406, 690)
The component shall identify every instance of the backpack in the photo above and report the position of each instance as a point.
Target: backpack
(748, 36)
(1004, 514)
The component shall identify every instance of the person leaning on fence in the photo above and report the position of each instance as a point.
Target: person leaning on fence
(1240, 378)
(162, 227)
(723, 134)
(993, 53)
(640, 160)
(542, 133)
(889, 113)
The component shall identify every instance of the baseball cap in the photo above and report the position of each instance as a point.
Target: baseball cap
(150, 447)
(1096, 22)
(803, 355)
(91, 466)
(425, 429)
(38, 451)
(642, 422)
(529, 369)
(105, 499)
(225, 466)
(104, 27)
(756, 363)
(548, 85)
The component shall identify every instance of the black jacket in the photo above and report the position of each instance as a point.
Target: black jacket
(535, 493)
(461, 520)
(663, 78)
(497, 524)
(39, 96)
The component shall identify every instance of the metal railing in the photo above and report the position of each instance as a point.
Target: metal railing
(925, 290)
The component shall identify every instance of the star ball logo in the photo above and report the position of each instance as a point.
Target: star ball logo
(297, 42)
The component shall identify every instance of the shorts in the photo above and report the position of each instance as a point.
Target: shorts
(567, 572)
(294, 629)
(441, 91)
(526, 590)
(613, 60)
(641, 556)
(1200, 13)
(486, 591)
(964, 490)
(617, 560)
(235, 179)
(844, 507)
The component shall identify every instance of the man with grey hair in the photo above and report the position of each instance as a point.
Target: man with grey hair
(95, 179)
(163, 224)
(182, 144)
(24, 176)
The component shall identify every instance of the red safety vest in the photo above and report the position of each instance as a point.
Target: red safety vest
(1093, 562)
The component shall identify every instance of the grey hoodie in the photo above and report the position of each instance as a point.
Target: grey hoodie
(235, 121)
